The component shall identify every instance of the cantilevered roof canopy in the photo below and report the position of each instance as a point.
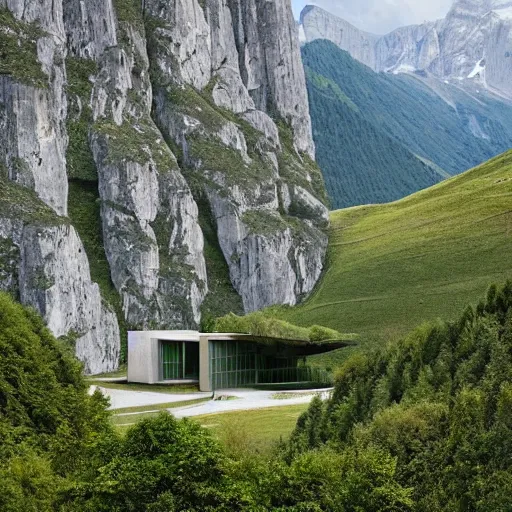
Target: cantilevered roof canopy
(300, 347)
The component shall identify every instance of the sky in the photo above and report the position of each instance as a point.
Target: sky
(380, 16)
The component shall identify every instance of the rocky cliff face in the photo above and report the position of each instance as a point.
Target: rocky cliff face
(218, 92)
(154, 106)
(472, 45)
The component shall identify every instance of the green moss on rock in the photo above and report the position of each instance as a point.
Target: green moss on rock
(264, 222)
(79, 156)
(18, 50)
(80, 160)
(85, 213)
(138, 142)
(20, 203)
(295, 168)
(172, 266)
(79, 71)
(222, 297)
(9, 259)
(129, 11)
(192, 103)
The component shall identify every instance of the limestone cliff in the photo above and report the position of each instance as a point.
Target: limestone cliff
(219, 91)
(472, 46)
(121, 117)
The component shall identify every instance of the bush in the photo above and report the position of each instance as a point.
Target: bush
(263, 324)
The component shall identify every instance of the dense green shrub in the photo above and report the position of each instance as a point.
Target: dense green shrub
(423, 424)
(47, 420)
(436, 403)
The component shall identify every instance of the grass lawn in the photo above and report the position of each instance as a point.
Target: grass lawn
(257, 429)
(120, 373)
(391, 267)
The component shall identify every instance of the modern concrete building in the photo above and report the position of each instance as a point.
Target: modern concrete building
(221, 360)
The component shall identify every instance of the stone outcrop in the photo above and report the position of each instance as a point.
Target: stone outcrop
(316, 23)
(152, 238)
(33, 136)
(43, 263)
(153, 111)
(49, 269)
(472, 45)
(231, 146)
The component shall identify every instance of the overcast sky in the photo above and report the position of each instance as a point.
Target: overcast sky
(381, 16)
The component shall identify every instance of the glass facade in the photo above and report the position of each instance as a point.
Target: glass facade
(179, 360)
(238, 364)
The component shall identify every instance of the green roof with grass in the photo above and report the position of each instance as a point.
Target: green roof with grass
(266, 328)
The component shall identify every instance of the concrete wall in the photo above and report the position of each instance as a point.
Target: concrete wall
(204, 364)
(143, 358)
(144, 353)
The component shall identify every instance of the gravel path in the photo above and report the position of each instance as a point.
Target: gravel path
(246, 400)
(243, 400)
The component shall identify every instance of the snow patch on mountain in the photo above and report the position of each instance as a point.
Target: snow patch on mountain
(473, 41)
(478, 70)
(504, 14)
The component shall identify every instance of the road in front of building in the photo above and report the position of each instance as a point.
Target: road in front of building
(120, 398)
(226, 400)
(248, 399)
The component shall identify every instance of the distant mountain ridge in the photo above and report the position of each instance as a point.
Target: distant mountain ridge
(381, 137)
(472, 45)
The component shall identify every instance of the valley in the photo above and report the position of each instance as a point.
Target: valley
(250, 263)
(384, 136)
(397, 113)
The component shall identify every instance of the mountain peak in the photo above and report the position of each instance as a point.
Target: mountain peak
(471, 46)
(308, 9)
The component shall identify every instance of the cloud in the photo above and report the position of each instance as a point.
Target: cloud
(381, 16)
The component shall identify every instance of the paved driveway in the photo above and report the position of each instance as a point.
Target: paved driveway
(239, 400)
(119, 398)
(248, 399)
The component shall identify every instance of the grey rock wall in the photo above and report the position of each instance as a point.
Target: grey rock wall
(33, 118)
(45, 266)
(48, 266)
(161, 279)
(206, 96)
(231, 146)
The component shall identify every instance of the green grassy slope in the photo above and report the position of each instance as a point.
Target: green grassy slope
(258, 429)
(394, 266)
(377, 134)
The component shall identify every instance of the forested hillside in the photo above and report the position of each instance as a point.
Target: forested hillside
(381, 137)
(437, 404)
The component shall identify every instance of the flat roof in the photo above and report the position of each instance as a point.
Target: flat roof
(302, 347)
